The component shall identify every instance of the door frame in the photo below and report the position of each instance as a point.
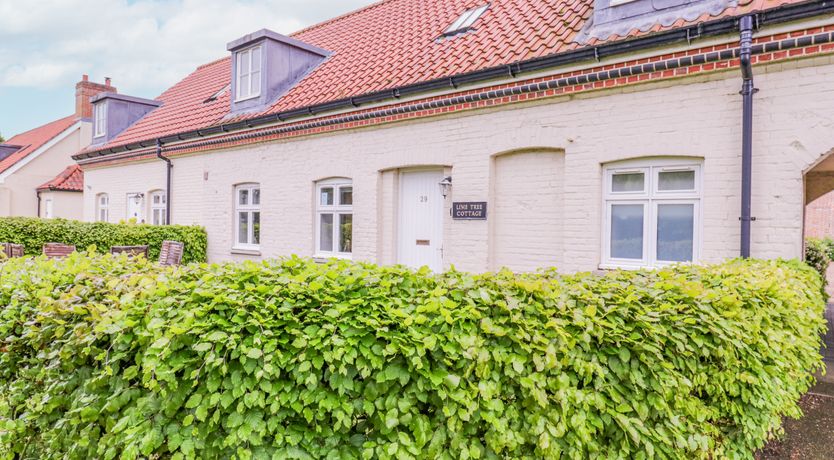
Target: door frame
(398, 240)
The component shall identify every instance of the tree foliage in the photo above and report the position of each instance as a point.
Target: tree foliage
(104, 358)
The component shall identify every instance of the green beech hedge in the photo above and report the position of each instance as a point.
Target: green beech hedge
(104, 358)
(33, 233)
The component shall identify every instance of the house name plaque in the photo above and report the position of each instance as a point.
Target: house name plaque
(469, 210)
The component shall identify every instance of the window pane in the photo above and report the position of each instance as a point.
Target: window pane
(326, 196)
(627, 231)
(346, 196)
(256, 83)
(256, 228)
(256, 59)
(256, 196)
(326, 233)
(243, 89)
(629, 182)
(243, 69)
(243, 196)
(243, 227)
(675, 232)
(676, 180)
(345, 232)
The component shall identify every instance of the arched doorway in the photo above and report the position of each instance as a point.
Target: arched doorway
(819, 223)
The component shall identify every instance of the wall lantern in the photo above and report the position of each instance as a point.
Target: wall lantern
(137, 198)
(445, 186)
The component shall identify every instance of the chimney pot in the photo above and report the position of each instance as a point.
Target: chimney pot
(84, 91)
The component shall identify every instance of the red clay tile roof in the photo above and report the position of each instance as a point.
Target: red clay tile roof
(70, 180)
(391, 44)
(33, 139)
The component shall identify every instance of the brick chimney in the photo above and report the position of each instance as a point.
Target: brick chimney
(84, 90)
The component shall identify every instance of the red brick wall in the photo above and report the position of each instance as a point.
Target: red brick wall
(819, 217)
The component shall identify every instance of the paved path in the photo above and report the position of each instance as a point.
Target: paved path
(809, 438)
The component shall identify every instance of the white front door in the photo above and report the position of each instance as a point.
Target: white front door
(421, 220)
(135, 205)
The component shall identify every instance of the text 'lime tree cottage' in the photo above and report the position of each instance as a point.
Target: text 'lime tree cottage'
(577, 134)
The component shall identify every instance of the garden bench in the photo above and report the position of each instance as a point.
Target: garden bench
(130, 250)
(171, 253)
(12, 250)
(57, 250)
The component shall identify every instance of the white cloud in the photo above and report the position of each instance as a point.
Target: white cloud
(144, 45)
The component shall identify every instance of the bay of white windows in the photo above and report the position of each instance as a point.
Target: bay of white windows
(247, 217)
(652, 213)
(334, 218)
(248, 74)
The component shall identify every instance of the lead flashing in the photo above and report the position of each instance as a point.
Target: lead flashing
(263, 34)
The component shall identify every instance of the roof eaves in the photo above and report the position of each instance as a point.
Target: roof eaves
(716, 27)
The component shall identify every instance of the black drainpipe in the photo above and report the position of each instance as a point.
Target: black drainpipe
(747, 91)
(168, 169)
(38, 194)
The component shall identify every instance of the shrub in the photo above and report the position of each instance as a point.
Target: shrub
(34, 232)
(291, 359)
(818, 254)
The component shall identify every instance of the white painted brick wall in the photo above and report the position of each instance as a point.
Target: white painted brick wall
(698, 116)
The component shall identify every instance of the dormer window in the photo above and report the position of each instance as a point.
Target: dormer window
(464, 21)
(619, 17)
(266, 65)
(100, 119)
(248, 73)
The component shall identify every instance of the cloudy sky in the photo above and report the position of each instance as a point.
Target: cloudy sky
(143, 45)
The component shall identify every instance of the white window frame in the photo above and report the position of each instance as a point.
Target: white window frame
(337, 209)
(157, 209)
(250, 209)
(48, 209)
(102, 207)
(250, 74)
(650, 197)
(100, 119)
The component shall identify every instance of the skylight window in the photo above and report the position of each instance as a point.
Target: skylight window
(465, 21)
(218, 94)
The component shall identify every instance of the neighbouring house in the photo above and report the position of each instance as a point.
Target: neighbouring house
(580, 134)
(38, 176)
(62, 196)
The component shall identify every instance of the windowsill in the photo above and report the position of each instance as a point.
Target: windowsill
(611, 266)
(246, 251)
(248, 98)
(325, 257)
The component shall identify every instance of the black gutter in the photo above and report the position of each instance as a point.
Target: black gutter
(747, 91)
(169, 167)
(713, 28)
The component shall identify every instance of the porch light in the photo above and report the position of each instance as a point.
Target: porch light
(137, 198)
(445, 186)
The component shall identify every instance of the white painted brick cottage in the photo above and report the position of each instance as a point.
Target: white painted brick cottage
(580, 134)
